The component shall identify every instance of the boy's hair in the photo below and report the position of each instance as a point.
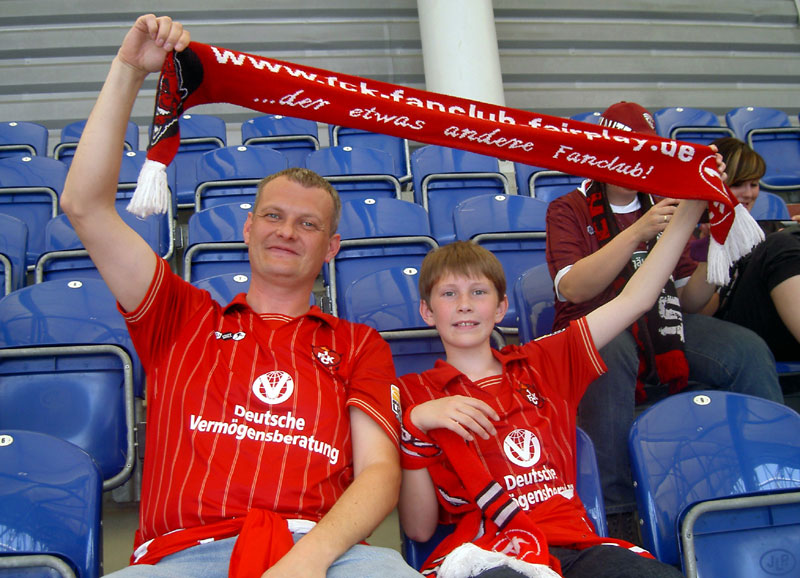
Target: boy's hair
(741, 162)
(309, 179)
(460, 258)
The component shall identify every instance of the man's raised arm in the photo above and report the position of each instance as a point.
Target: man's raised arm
(124, 259)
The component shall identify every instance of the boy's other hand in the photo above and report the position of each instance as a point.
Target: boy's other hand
(460, 414)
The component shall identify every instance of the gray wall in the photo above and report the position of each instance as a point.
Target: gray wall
(557, 57)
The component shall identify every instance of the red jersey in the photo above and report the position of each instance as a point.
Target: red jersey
(532, 455)
(570, 238)
(250, 411)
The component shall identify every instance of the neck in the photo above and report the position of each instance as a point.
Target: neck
(619, 196)
(475, 364)
(268, 298)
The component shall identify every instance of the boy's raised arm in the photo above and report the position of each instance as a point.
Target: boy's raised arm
(644, 287)
(123, 258)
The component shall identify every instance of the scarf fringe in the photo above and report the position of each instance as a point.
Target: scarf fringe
(745, 234)
(152, 194)
(470, 560)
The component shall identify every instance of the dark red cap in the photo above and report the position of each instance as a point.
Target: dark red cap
(629, 116)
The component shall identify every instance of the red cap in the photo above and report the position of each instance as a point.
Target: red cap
(629, 116)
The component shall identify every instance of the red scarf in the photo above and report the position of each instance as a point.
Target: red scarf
(208, 74)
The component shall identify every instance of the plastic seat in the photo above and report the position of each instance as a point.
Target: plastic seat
(689, 124)
(50, 499)
(200, 133)
(717, 481)
(232, 174)
(356, 172)
(68, 368)
(770, 207)
(13, 250)
(223, 288)
(71, 134)
(512, 227)
(770, 133)
(21, 138)
(591, 117)
(535, 302)
(388, 300)
(397, 147)
(444, 176)
(215, 242)
(376, 233)
(589, 490)
(293, 137)
(29, 190)
(544, 184)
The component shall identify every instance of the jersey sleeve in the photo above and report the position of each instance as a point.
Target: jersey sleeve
(567, 239)
(168, 304)
(373, 387)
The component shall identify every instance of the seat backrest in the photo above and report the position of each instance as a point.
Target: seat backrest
(512, 227)
(71, 134)
(13, 251)
(587, 484)
(591, 117)
(397, 147)
(535, 302)
(68, 368)
(543, 184)
(697, 446)
(746, 118)
(199, 133)
(295, 138)
(30, 188)
(215, 242)
(50, 496)
(223, 288)
(23, 138)
(689, 124)
(769, 207)
(444, 176)
(356, 172)
(231, 174)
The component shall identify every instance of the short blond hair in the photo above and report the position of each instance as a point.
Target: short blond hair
(742, 163)
(460, 258)
(310, 180)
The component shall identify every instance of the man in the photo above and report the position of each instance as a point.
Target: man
(272, 427)
(596, 237)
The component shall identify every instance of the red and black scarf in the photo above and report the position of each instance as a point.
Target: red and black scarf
(203, 74)
(659, 332)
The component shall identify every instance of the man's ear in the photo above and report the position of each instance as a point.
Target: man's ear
(246, 229)
(333, 247)
(502, 308)
(426, 312)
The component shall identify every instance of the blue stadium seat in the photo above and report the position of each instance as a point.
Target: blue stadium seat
(769, 207)
(591, 117)
(535, 302)
(510, 226)
(71, 134)
(589, 490)
(376, 233)
(29, 190)
(689, 124)
(444, 176)
(397, 147)
(68, 368)
(717, 481)
(544, 184)
(215, 242)
(200, 133)
(13, 250)
(231, 174)
(356, 172)
(51, 504)
(223, 288)
(21, 138)
(770, 133)
(293, 137)
(388, 300)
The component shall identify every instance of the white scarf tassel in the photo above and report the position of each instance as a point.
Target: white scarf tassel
(469, 560)
(152, 193)
(745, 234)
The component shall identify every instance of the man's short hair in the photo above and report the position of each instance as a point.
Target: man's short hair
(742, 163)
(310, 180)
(460, 258)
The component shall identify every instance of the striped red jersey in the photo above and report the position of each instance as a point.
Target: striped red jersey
(250, 411)
(532, 455)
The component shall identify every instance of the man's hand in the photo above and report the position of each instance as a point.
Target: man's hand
(655, 220)
(150, 40)
(460, 414)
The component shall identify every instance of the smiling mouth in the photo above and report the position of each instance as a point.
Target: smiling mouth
(466, 324)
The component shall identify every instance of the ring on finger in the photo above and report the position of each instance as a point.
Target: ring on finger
(666, 219)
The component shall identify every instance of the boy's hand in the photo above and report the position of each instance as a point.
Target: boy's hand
(150, 40)
(457, 413)
(655, 220)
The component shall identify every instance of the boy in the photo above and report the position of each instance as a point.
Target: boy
(516, 409)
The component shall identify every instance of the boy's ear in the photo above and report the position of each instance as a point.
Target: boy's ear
(426, 312)
(502, 307)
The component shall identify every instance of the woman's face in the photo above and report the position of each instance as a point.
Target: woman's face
(746, 192)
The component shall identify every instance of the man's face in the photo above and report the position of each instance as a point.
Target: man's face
(288, 233)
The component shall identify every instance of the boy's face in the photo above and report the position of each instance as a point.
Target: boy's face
(464, 310)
